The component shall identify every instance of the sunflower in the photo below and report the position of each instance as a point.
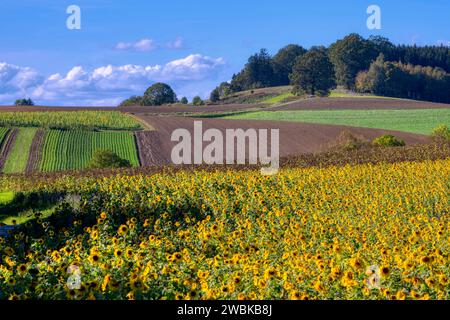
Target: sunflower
(118, 253)
(94, 258)
(22, 268)
(56, 256)
(384, 271)
(123, 229)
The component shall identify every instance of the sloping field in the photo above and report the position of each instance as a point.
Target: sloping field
(16, 161)
(421, 121)
(359, 103)
(68, 150)
(295, 138)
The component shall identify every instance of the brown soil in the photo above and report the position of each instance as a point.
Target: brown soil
(35, 152)
(358, 103)
(304, 104)
(7, 145)
(148, 144)
(295, 138)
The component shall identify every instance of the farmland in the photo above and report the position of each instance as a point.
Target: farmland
(18, 157)
(421, 121)
(68, 150)
(88, 120)
(356, 232)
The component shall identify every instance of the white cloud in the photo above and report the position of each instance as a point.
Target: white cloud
(178, 43)
(105, 85)
(146, 44)
(17, 78)
(140, 45)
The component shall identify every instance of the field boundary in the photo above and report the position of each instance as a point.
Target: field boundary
(35, 154)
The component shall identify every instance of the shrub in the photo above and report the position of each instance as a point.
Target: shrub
(131, 102)
(347, 141)
(442, 132)
(197, 101)
(107, 159)
(388, 140)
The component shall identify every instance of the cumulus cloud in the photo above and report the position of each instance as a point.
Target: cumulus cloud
(104, 85)
(147, 44)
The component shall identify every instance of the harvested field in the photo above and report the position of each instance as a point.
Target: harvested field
(149, 144)
(295, 138)
(187, 109)
(35, 152)
(6, 146)
(358, 103)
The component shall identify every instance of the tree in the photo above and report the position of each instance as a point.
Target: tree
(24, 102)
(372, 81)
(159, 94)
(313, 73)
(184, 100)
(257, 73)
(197, 101)
(349, 56)
(284, 61)
(215, 95)
(220, 92)
(132, 101)
(107, 159)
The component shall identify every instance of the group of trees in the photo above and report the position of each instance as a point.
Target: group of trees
(156, 95)
(159, 94)
(349, 63)
(24, 102)
(402, 80)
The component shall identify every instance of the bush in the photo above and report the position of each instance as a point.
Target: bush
(197, 101)
(388, 140)
(131, 102)
(347, 141)
(107, 159)
(442, 132)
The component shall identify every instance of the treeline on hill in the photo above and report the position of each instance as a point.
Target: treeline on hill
(157, 95)
(372, 65)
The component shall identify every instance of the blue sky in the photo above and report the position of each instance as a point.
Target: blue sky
(125, 46)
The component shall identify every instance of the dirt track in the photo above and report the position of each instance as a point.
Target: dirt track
(295, 138)
(35, 152)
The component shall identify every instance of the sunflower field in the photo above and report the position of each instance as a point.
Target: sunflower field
(355, 232)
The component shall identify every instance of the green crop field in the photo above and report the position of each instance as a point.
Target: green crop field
(3, 132)
(421, 121)
(68, 150)
(278, 98)
(18, 157)
(90, 120)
